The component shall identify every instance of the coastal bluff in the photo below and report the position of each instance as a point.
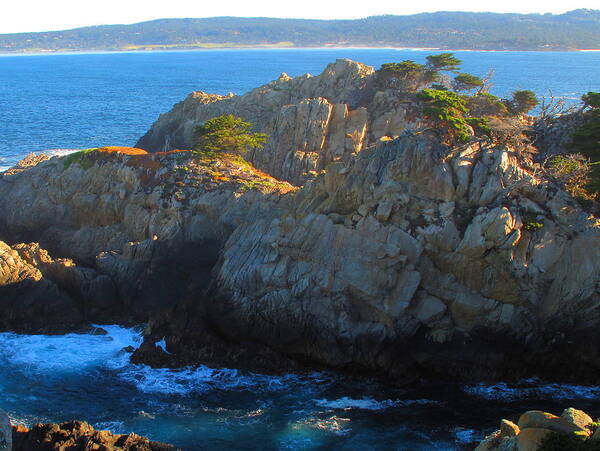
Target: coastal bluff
(356, 240)
(311, 121)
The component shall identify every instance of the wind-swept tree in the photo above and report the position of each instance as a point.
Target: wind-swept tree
(466, 82)
(229, 134)
(523, 101)
(411, 76)
(443, 62)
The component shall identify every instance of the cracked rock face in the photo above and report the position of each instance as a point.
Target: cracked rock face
(140, 232)
(406, 258)
(414, 258)
(310, 121)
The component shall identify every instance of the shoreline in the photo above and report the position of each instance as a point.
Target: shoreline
(274, 47)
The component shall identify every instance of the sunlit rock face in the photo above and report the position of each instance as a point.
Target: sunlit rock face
(139, 231)
(310, 121)
(403, 256)
(413, 258)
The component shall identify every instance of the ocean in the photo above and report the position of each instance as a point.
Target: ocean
(75, 101)
(70, 101)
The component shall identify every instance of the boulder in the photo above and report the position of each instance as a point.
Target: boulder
(509, 429)
(576, 417)
(537, 419)
(531, 438)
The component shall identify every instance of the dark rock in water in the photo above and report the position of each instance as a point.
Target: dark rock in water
(128, 349)
(79, 436)
(5, 432)
(190, 341)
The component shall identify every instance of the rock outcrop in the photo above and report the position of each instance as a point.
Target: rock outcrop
(310, 121)
(537, 430)
(413, 259)
(407, 258)
(79, 436)
(139, 231)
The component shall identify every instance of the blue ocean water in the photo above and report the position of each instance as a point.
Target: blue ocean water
(90, 100)
(66, 101)
(88, 377)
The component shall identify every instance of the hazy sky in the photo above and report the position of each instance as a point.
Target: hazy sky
(42, 15)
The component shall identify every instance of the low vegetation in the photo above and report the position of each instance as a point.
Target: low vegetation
(462, 106)
(579, 169)
(229, 134)
(571, 442)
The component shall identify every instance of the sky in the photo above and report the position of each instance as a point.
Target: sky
(45, 15)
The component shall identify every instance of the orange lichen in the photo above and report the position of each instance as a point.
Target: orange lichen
(123, 150)
(146, 161)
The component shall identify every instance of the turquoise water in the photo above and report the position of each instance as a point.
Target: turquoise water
(89, 100)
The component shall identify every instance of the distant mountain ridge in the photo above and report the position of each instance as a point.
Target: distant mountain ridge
(578, 29)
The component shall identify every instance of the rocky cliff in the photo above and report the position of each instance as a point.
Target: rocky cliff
(139, 231)
(407, 258)
(413, 259)
(310, 121)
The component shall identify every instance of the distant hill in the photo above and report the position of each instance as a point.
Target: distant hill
(578, 29)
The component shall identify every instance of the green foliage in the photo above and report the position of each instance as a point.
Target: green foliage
(486, 104)
(531, 223)
(449, 108)
(591, 99)
(439, 87)
(481, 125)
(568, 442)
(466, 82)
(443, 61)
(412, 76)
(79, 158)
(229, 134)
(586, 140)
(523, 101)
(404, 68)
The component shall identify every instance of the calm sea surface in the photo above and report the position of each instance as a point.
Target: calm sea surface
(91, 100)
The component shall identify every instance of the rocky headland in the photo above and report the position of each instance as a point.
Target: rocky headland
(357, 239)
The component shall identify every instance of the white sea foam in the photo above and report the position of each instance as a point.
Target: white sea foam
(116, 427)
(466, 436)
(58, 152)
(533, 389)
(370, 403)
(75, 353)
(69, 353)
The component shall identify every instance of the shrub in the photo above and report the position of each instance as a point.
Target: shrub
(466, 82)
(412, 76)
(486, 104)
(443, 61)
(229, 134)
(523, 101)
(449, 108)
(568, 442)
